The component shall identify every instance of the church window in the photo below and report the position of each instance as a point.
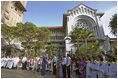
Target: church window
(85, 10)
(79, 10)
(74, 12)
(91, 12)
(82, 10)
(88, 11)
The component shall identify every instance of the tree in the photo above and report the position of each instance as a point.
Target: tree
(51, 49)
(80, 36)
(8, 35)
(43, 34)
(26, 33)
(113, 25)
(91, 49)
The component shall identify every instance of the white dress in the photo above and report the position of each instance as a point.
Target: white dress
(97, 67)
(88, 70)
(112, 70)
(14, 62)
(103, 68)
(92, 72)
(11, 63)
(6, 64)
(2, 62)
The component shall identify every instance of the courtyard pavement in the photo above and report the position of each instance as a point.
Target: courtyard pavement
(19, 73)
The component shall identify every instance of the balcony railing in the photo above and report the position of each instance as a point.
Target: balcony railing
(57, 35)
(57, 40)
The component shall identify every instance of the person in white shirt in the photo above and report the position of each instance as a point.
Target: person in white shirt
(16, 60)
(64, 66)
(6, 64)
(10, 64)
(68, 63)
(38, 64)
(112, 68)
(2, 61)
(114, 54)
(54, 64)
(24, 62)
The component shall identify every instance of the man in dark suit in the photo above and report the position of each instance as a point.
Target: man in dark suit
(45, 60)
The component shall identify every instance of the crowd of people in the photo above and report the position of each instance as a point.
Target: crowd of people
(90, 66)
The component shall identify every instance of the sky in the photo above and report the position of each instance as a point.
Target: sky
(50, 13)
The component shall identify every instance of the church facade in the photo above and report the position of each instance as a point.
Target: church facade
(80, 16)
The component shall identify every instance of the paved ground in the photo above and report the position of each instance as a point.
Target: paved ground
(13, 73)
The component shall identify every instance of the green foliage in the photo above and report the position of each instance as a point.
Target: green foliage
(80, 33)
(33, 53)
(51, 49)
(113, 24)
(90, 49)
(58, 67)
(8, 33)
(93, 48)
(26, 31)
(43, 34)
(80, 36)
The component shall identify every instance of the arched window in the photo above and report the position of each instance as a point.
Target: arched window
(82, 10)
(75, 12)
(93, 13)
(88, 11)
(81, 23)
(85, 10)
(79, 10)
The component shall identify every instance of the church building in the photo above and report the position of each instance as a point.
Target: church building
(79, 16)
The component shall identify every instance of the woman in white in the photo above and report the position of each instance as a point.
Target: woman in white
(2, 61)
(103, 69)
(15, 62)
(11, 61)
(88, 73)
(92, 68)
(112, 68)
(7, 62)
